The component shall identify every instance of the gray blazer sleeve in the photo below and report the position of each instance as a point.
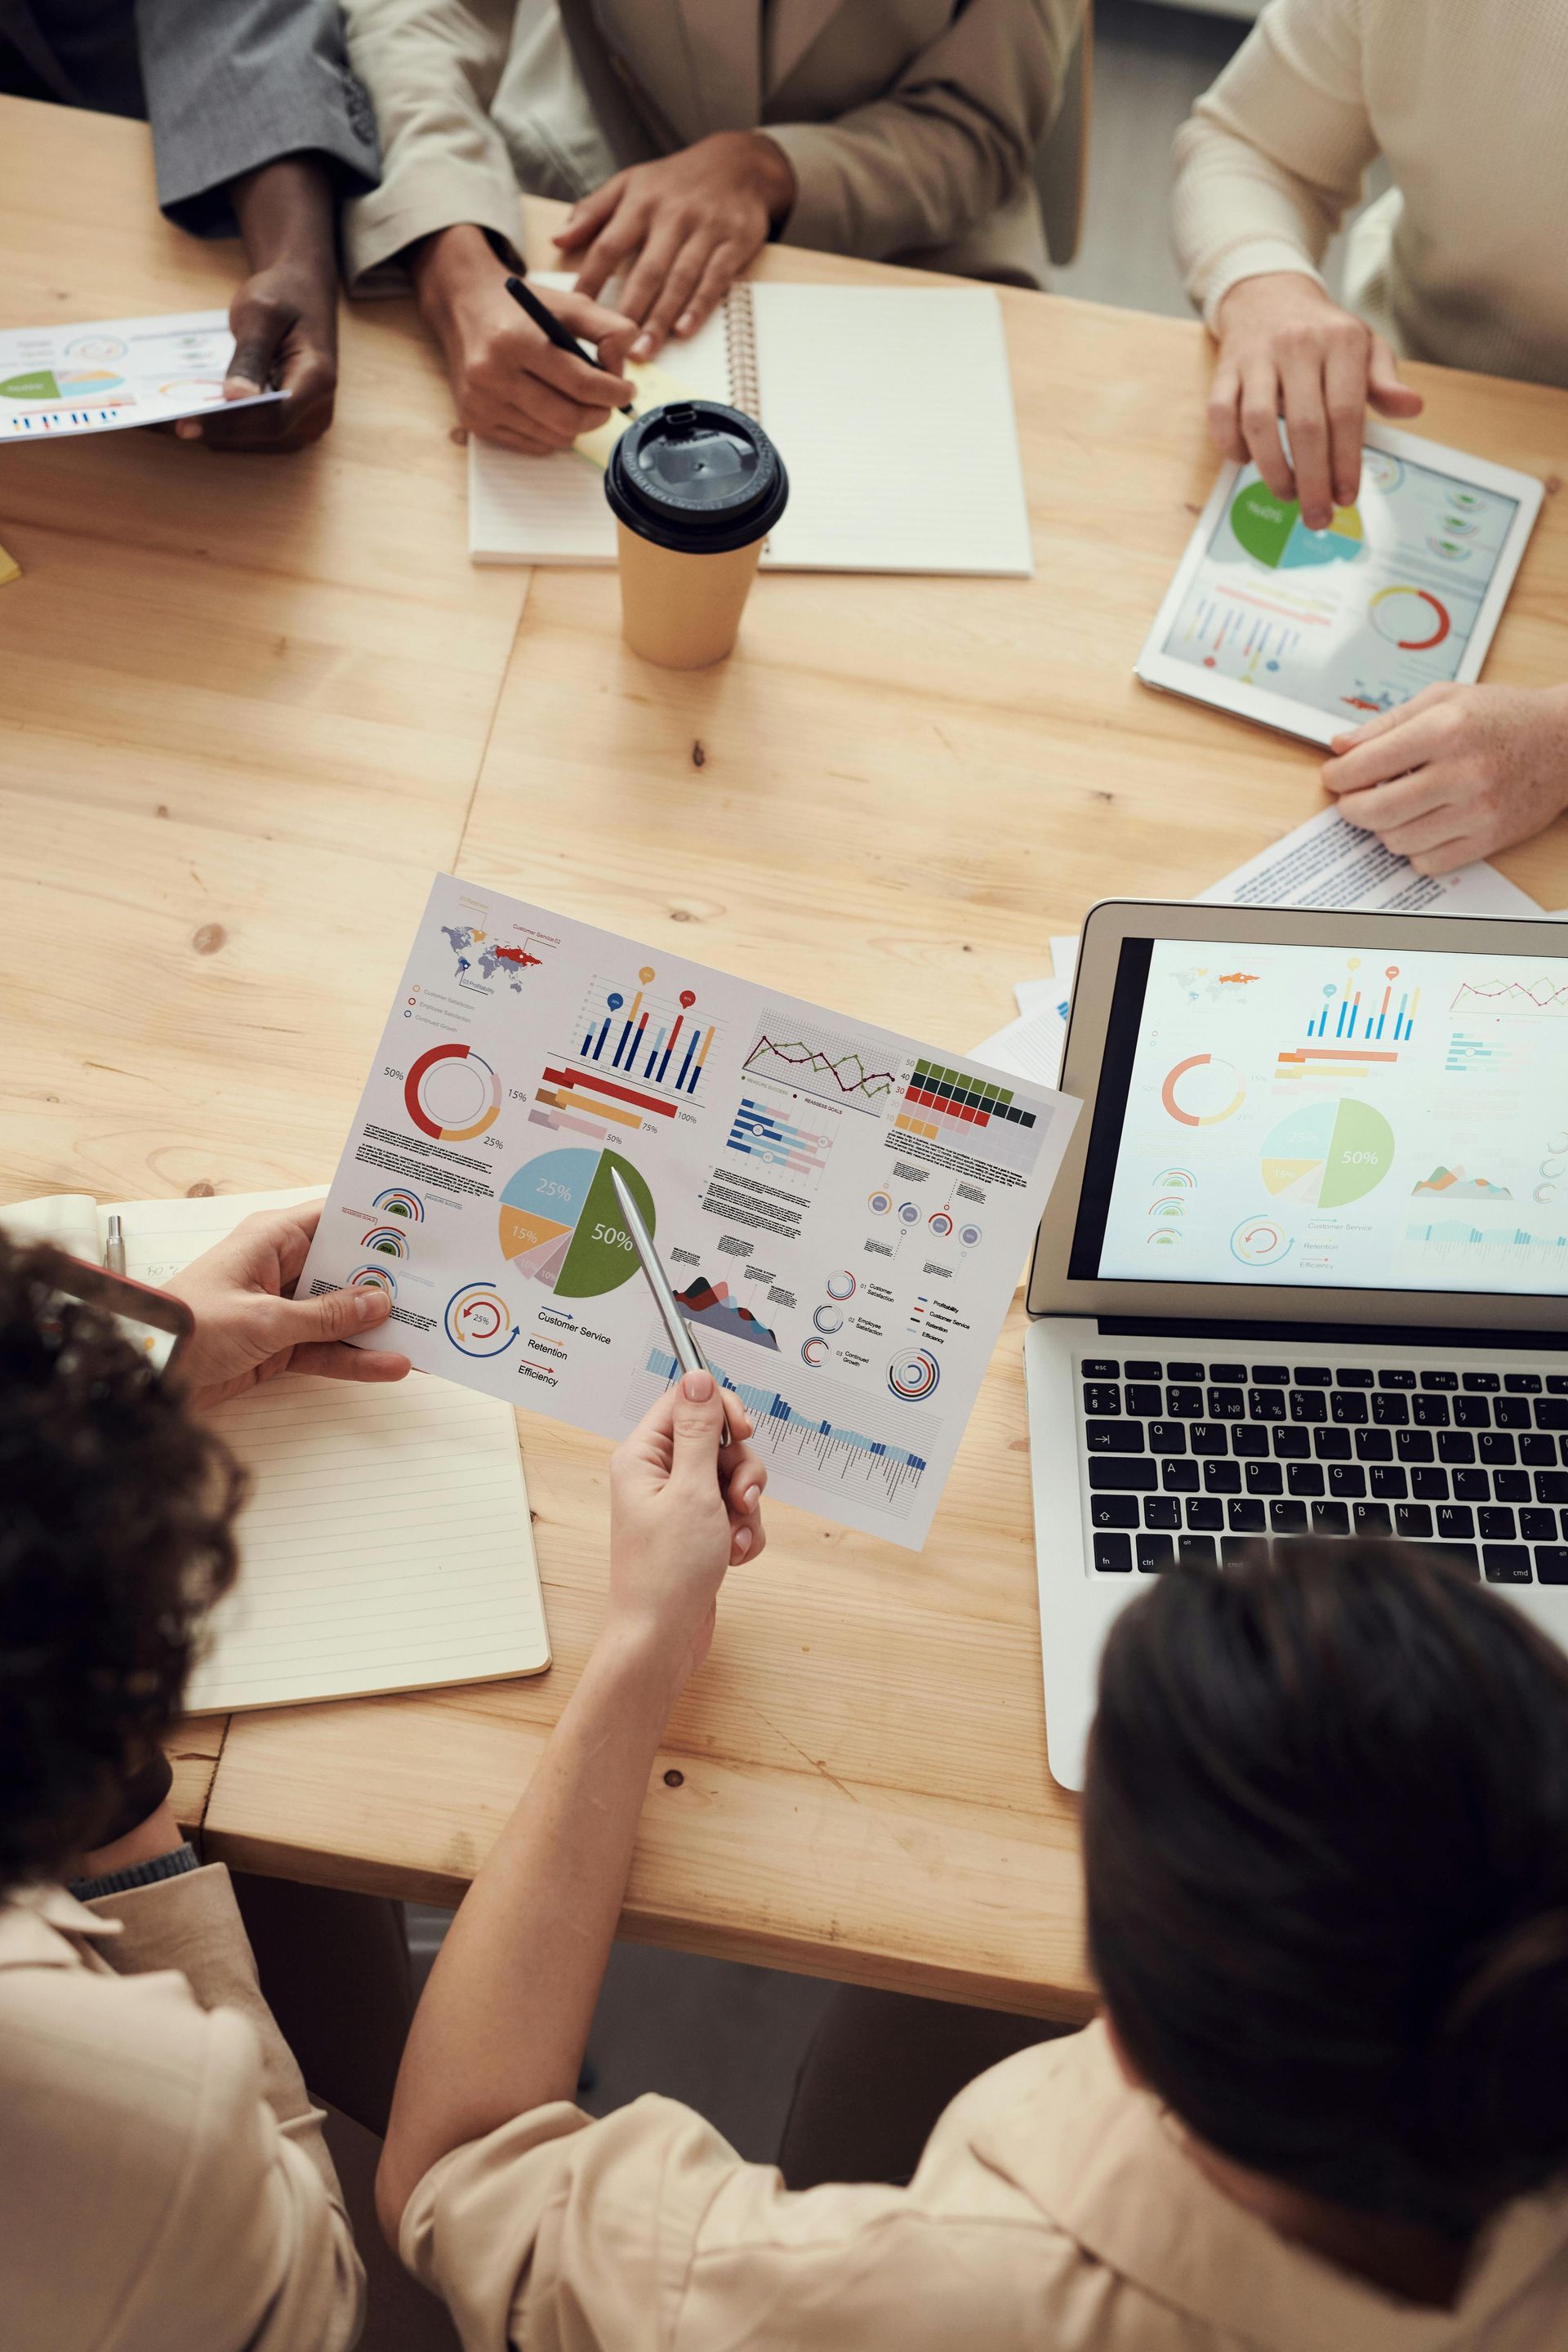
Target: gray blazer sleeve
(234, 84)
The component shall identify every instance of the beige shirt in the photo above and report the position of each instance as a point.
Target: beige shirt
(1466, 260)
(911, 128)
(1054, 2211)
(163, 2183)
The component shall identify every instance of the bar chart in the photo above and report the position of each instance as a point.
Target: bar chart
(1354, 1010)
(762, 1132)
(644, 1037)
(829, 1449)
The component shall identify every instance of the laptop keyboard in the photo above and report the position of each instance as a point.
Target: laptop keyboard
(1195, 1460)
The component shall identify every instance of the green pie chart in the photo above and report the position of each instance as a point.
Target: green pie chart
(1328, 1154)
(561, 1224)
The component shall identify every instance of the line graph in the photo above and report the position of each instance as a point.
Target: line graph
(1535, 998)
(823, 1063)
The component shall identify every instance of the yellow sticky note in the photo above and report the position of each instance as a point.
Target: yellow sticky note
(651, 387)
(9, 568)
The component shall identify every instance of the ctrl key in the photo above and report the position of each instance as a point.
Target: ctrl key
(1113, 1554)
(1155, 1552)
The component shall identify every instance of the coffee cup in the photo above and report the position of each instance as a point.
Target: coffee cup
(695, 488)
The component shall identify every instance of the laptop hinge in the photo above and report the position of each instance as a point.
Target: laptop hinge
(1353, 1335)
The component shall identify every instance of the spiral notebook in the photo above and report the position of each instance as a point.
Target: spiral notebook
(386, 1542)
(891, 406)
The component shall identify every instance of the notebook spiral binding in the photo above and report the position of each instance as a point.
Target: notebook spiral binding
(741, 351)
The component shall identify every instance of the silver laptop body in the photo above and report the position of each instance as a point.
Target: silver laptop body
(1304, 1267)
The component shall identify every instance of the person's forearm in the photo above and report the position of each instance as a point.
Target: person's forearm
(446, 264)
(504, 2019)
(285, 213)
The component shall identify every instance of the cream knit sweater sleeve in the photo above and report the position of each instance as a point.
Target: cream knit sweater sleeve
(1273, 156)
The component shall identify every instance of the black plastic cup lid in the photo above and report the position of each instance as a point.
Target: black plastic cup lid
(697, 477)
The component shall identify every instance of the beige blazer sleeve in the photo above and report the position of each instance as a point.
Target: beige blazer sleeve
(645, 2229)
(432, 68)
(1273, 156)
(950, 142)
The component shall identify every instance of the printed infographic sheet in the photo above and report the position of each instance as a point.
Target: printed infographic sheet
(843, 1214)
(1354, 619)
(1303, 1115)
(103, 374)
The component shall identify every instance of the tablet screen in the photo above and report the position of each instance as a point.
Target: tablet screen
(1324, 1118)
(1354, 619)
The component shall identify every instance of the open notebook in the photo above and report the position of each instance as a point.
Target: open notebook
(386, 1543)
(891, 407)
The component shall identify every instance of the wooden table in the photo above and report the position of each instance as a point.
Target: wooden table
(245, 707)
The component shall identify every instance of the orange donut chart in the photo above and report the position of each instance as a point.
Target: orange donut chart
(452, 1094)
(1193, 1118)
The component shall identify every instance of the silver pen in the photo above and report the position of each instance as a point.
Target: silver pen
(114, 1248)
(686, 1345)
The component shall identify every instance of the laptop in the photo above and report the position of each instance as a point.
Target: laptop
(1303, 1269)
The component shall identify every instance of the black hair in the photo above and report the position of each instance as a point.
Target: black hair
(1326, 1843)
(116, 1510)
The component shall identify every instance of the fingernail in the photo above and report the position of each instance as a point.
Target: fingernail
(685, 323)
(697, 1386)
(752, 1497)
(187, 429)
(643, 348)
(371, 1304)
(743, 1541)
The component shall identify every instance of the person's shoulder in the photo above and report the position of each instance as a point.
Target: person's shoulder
(128, 2108)
(87, 2052)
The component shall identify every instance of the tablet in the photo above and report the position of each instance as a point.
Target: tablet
(1315, 631)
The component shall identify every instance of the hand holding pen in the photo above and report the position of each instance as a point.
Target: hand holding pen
(514, 382)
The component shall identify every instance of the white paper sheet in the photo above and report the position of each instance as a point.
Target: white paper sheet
(100, 375)
(1330, 864)
(843, 1213)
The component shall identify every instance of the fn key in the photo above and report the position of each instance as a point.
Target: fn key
(1113, 1554)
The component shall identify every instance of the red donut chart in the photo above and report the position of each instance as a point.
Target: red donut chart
(452, 1094)
(1385, 627)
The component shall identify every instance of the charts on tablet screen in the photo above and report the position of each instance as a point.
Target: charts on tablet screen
(1353, 619)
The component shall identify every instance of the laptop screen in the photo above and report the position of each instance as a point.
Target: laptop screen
(1311, 1118)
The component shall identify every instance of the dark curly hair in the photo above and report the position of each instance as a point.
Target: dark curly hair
(1326, 1848)
(116, 1536)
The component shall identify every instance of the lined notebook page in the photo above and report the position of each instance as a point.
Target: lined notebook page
(386, 1545)
(551, 509)
(892, 406)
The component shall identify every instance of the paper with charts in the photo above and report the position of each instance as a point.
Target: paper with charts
(842, 1215)
(103, 374)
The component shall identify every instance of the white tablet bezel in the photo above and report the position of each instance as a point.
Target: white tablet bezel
(1053, 1290)
(1157, 669)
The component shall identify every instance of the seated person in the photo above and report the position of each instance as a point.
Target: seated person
(258, 125)
(685, 137)
(1326, 1850)
(165, 2182)
(1460, 262)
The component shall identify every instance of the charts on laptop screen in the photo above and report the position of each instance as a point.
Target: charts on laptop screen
(1321, 1118)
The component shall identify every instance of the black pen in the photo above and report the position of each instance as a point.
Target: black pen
(545, 319)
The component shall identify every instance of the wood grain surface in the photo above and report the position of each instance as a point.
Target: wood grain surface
(888, 800)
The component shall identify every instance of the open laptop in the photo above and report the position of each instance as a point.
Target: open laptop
(1304, 1269)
